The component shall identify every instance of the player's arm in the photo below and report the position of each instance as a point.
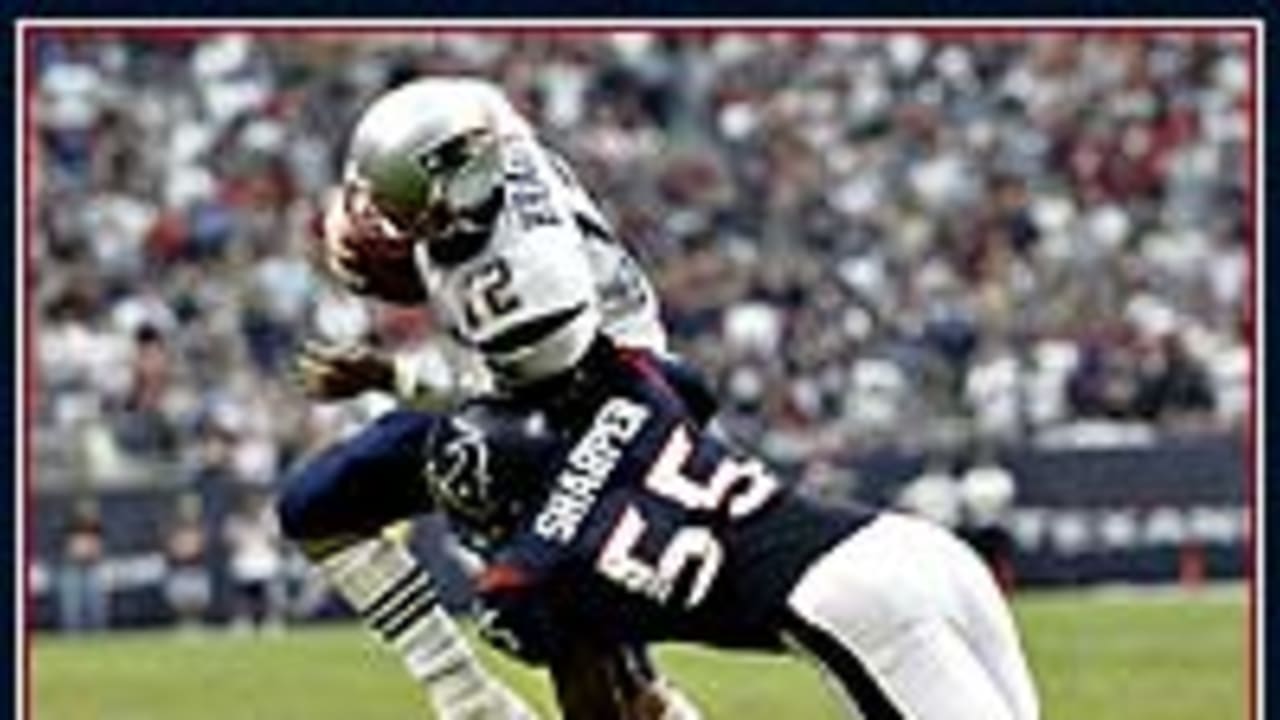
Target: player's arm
(593, 679)
(586, 684)
(338, 372)
(527, 620)
(606, 683)
(639, 692)
(418, 378)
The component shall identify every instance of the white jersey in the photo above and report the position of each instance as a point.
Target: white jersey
(549, 278)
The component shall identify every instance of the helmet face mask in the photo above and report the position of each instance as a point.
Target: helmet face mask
(464, 173)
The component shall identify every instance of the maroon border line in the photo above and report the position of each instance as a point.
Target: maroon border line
(27, 35)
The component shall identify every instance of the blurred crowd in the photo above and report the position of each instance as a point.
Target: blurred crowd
(863, 239)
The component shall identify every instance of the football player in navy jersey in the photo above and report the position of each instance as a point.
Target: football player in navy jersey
(602, 485)
(663, 531)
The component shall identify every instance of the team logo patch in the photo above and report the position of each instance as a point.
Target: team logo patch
(459, 473)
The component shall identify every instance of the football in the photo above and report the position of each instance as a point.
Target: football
(361, 250)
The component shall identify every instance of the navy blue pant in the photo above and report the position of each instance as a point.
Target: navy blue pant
(359, 486)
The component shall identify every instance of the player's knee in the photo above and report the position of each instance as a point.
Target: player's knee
(303, 508)
(295, 510)
(330, 496)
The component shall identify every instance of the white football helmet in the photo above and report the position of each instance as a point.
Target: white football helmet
(427, 155)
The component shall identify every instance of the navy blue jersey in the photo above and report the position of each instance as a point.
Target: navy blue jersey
(383, 473)
(658, 530)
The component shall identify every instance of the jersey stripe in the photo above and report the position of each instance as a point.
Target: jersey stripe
(529, 333)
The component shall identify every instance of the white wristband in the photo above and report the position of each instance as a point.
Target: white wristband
(405, 376)
(414, 387)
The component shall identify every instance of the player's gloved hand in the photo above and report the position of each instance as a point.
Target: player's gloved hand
(338, 372)
(661, 700)
(513, 617)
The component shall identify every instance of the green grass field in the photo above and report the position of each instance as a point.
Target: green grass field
(1096, 657)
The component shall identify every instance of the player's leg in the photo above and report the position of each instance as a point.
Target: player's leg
(982, 618)
(336, 508)
(880, 613)
(926, 673)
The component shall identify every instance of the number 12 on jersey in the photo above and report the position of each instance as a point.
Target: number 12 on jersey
(488, 293)
(735, 487)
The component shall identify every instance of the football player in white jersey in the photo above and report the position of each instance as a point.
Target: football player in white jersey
(449, 198)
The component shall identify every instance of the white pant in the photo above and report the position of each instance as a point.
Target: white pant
(909, 624)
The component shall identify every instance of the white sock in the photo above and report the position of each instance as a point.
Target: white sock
(397, 600)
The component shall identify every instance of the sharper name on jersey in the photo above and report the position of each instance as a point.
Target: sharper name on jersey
(589, 465)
